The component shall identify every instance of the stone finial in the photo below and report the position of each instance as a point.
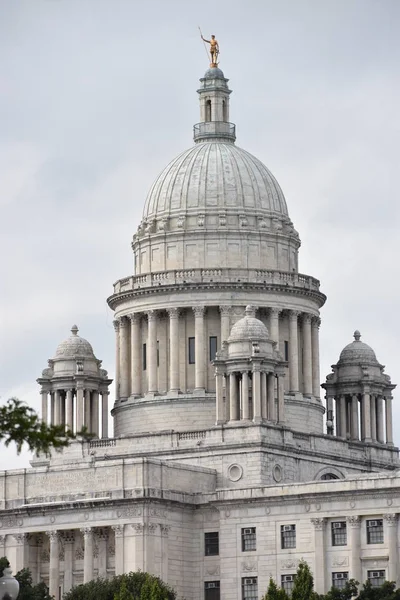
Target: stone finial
(357, 335)
(74, 330)
(250, 311)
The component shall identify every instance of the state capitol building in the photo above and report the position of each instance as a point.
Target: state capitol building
(230, 461)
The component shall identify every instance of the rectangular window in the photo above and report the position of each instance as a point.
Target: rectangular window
(144, 357)
(211, 543)
(339, 533)
(286, 350)
(191, 349)
(376, 578)
(288, 536)
(158, 353)
(249, 539)
(287, 582)
(213, 347)
(339, 580)
(211, 590)
(375, 531)
(249, 588)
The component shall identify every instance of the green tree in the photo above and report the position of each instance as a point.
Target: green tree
(20, 424)
(274, 592)
(132, 586)
(124, 593)
(347, 593)
(387, 591)
(303, 588)
(27, 590)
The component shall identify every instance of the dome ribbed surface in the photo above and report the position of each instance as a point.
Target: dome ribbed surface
(358, 351)
(215, 175)
(75, 347)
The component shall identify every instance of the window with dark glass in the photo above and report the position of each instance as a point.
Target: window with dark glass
(211, 543)
(286, 350)
(212, 590)
(375, 531)
(376, 578)
(287, 582)
(339, 533)
(191, 351)
(213, 347)
(248, 539)
(144, 357)
(328, 476)
(340, 579)
(288, 536)
(249, 588)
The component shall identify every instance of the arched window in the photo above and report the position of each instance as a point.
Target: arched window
(224, 111)
(208, 110)
(328, 476)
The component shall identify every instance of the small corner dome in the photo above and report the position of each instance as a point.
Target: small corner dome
(249, 328)
(357, 351)
(74, 347)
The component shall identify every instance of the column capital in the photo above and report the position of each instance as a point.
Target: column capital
(53, 536)
(315, 322)
(174, 313)
(307, 318)
(198, 311)
(105, 392)
(135, 317)
(225, 310)
(151, 315)
(123, 322)
(86, 531)
(275, 312)
(294, 314)
(118, 530)
(20, 538)
(2, 540)
(318, 523)
(354, 521)
(391, 519)
(116, 324)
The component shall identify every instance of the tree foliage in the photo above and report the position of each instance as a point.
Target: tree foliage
(131, 586)
(27, 589)
(20, 424)
(274, 592)
(303, 588)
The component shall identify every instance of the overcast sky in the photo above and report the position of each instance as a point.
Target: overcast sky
(97, 96)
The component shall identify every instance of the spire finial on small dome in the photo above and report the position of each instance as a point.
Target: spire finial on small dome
(357, 335)
(74, 330)
(250, 311)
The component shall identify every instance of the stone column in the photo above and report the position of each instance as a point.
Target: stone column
(380, 434)
(79, 408)
(104, 413)
(389, 421)
(227, 401)
(69, 417)
(274, 325)
(152, 352)
(119, 548)
(316, 387)
(54, 568)
(353, 525)
(271, 397)
(2, 545)
(373, 417)
(366, 412)
(307, 356)
(338, 416)
(124, 357)
(391, 536)
(68, 536)
(233, 394)
(245, 396)
(174, 350)
(87, 421)
(95, 413)
(343, 417)
(293, 352)
(319, 554)
(102, 536)
(257, 414)
(87, 533)
(281, 399)
(220, 417)
(57, 408)
(225, 322)
(44, 395)
(199, 347)
(136, 346)
(355, 435)
(264, 403)
(116, 324)
(21, 551)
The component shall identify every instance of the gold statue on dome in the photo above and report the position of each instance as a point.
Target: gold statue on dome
(214, 49)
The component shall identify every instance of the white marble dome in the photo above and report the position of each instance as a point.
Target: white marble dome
(248, 328)
(215, 175)
(357, 352)
(74, 347)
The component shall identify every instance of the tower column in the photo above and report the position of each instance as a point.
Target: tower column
(293, 351)
(354, 523)
(87, 421)
(343, 416)
(366, 412)
(79, 407)
(54, 568)
(116, 324)
(136, 387)
(389, 421)
(219, 378)
(281, 399)
(124, 358)
(199, 347)
(245, 396)
(391, 532)
(319, 550)
(87, 533)
(379, 420)
(44, 394)
(264, 398)
(174, 349)
(152, 352)
(307, 355)
(234, 398)
(57, 408)
(225, 322)
(70, 410)
(95, 413)
(102, 536)
(373, 417)
(271, 397)
(354, 418)
(104, 413)
(315, 324)
(274, 325)
(119, 548)
(257, 414)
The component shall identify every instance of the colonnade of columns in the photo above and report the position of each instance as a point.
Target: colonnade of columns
(249, 395)
(76, 408)
(363, 416)
(129, 349)
(323, 580)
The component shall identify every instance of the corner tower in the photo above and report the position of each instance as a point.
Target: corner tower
(215, 236)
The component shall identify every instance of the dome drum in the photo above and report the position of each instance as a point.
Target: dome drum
(214, 129)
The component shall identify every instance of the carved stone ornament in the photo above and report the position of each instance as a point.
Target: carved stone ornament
(137, 528)
(391, 519)
(130, 512)
(235, 472)
(340, 561)
(152, 528)
(118, 530)
(157, 512)
(79, 553)
(213, 570)
(243, 222)
(68, 536)
(222, 219)
(164, 529)
(200, 220)
(20, 538)
(111, 550)
(318, 523)
(181, 221)
(162, 224)
(354, 521)
(248, 566)
(262, 223)
(277, 473)
(102, 533)
(290, 564)
(45, 556)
